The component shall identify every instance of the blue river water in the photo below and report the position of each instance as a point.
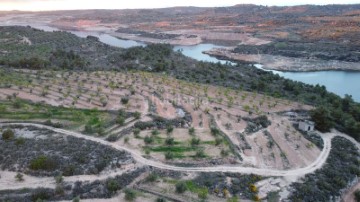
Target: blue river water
(338, 82)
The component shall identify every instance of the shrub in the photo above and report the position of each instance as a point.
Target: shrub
(215, 131)
(40, 194)
(160, 200)
(120, 120)
(130, 195)
(59, 190)
(43, 163)
(202, 193)
(357, 195)
(224, 153)
(112, 138)
(126, 140)
(170, 141)
(137, 115)
(143, 125)
(17, 104)
(169, 129)
(192, 131)
(218, 141)
(69, 170)
(200, 154)
(89, 129)
(321, 117)
(103, 101)
(20, 141)
(180, 187)
(253, 188)
(152, 177)
(76, 199)
(59, 179)
(112, 185)
(136, 132)
(8, 134)
(121, 113)
(155, 132)
(19, 177)
(124, 100)
(195, 141)
(148, 140)
(169, 155)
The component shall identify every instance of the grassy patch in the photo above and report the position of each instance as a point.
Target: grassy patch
(176, 149)
(30, 111)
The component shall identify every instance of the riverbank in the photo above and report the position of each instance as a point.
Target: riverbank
(281, 63)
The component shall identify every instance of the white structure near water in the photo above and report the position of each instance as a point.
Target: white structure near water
(306, 125)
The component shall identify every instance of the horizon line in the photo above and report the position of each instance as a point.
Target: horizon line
(80, 9)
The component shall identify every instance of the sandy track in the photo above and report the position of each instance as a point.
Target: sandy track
(8, 182)
(318, 163)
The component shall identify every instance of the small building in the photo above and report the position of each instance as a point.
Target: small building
(306, 125)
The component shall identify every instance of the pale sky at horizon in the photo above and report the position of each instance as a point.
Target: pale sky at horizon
(41, 5)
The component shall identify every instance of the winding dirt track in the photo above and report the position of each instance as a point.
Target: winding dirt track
(318, 163)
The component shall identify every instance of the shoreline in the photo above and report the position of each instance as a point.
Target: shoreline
(285, 64)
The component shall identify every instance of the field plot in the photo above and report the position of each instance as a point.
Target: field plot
(160, 117)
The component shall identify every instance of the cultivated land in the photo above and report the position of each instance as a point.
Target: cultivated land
(220, 118)
(83, 120)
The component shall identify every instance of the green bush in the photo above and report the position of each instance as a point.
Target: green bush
(40, 194)
(20, 141)
(19, 177)
(160, 200)
(215, 131)
(200, 154)
(195, 141)
(130, 195)
(169, 129)
(76, 199)
(120, 120)
(218, 141)
(155, 132)
(8, 134)
(192, 131)
(59, 179)
(122, 113)
(112, 138)
(224, 153)
(321, 117)
(169, 155)
(148, 140)
(170, 141)
(180, 187)
(137, 115)
(136, 132)
(124, 100)
(357, 195)
(43, 163)
(112, 185)
(152, 177)
(203, 193)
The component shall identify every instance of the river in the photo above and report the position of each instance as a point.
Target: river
(338, 82)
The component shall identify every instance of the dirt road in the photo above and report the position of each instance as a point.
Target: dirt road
(318, 163)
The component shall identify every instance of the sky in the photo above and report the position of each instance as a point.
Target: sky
(41, 5)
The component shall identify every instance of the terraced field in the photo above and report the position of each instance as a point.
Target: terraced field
(109, 101)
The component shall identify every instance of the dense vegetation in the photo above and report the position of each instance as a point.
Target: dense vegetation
(85, 190)
(320, 50)
(48, 154)
(332, 110)
(341, 168)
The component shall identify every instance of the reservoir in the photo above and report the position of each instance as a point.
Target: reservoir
(338, 82)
